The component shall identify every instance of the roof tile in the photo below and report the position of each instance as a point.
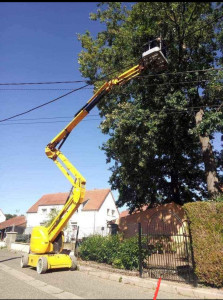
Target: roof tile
(96, 197)
(16, 221)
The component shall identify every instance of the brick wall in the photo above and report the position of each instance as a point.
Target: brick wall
(128, 225)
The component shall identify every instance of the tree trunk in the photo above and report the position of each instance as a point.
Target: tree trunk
(208, 158)
(175, 191)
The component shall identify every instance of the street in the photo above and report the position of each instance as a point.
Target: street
(18, 283)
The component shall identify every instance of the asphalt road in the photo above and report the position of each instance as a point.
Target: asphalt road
(26, 283)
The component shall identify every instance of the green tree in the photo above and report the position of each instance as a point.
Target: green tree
(10, 216)
(155, 135)
(51, 216)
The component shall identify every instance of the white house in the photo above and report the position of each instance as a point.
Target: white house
(2, 216)
(92, 216)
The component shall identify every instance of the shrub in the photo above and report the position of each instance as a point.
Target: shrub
(127, 256)
(23, 238)
(123, 254)
(92, 248)
(206, 225)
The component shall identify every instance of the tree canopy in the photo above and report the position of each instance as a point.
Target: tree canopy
(10, 216)
(156, 122)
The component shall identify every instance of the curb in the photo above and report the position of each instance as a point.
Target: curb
(165, 286)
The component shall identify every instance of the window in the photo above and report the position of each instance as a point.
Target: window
(113, 212)
(73, 225)
(108, 212)
(44, 210)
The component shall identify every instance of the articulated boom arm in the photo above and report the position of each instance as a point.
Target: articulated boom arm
(151, 58)
(78, 182)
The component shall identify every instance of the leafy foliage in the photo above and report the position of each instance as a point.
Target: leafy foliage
(206, 223)
(10, 216)
(122, 254)
(153, 137)
(51, 216)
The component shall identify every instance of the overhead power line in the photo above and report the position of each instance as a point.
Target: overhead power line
(27, 123)
(48, 118)
(59, 89)
(61, 82)
(202, 27)
(167, 111)
(56, 99)
(11, 89)
(39, 106)
(104, 77)
(46, 82)
(183, 72)
(140, 76)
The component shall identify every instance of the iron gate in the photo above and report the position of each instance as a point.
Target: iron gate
(167, 242)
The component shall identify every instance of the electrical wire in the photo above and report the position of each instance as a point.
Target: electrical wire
(47, 82)
(44, 122)
(180, 82)
(48, 118)
(166, 111)
(182, 72)
(168, 83)
(79, 81)
(155, 84)
(96, 80)
(210, 23)
(51, 101)
(42, 89)
(140, 76)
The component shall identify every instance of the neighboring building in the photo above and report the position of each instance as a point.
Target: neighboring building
(16, 224)
(152, 220)
(2, 216)
(93, 215)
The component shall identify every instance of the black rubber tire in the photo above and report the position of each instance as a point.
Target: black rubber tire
(74, 263)
(24, 260)
(42, 265)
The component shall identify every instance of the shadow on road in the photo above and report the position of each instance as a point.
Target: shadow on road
(9, 259)
(58, 270)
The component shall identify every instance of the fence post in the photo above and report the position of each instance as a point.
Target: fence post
(140, 249)
(76, 242)
(195, 278)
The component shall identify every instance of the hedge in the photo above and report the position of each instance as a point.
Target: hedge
(23, 238)
(206, 225)
(113, 250)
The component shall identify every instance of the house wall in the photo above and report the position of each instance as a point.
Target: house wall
(89, 222)
(2, 217)
(107, 212)
(92, 221)
(35, 219)
(152, 217)
(86, 222)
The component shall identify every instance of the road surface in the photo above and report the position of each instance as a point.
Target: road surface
(26, 283)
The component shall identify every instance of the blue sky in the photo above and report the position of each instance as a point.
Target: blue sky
(39, 43)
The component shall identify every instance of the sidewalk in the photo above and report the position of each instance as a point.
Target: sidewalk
(148, 283)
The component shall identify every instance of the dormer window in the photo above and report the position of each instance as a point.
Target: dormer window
(85, 202)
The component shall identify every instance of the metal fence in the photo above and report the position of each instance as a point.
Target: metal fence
(167, 242)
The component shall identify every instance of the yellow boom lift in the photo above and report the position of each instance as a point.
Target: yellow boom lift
(46, 243)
